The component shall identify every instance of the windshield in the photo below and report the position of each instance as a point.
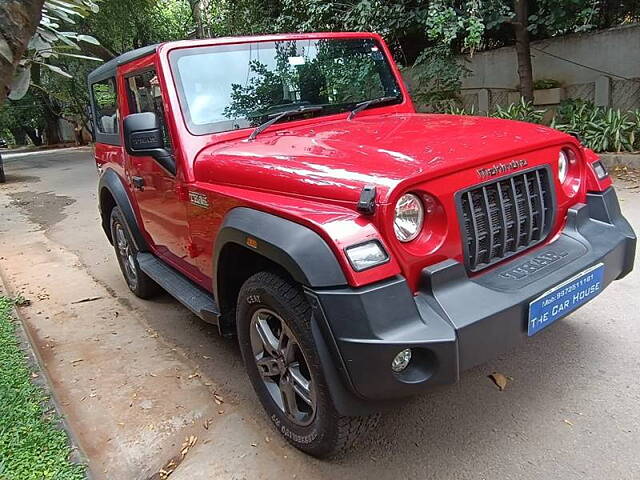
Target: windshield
(229, 87)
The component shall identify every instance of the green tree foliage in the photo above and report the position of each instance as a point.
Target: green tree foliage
(21, 119)
(428, 36)
(66, 46)
(51, 42)
(122, 25)
(468, 25)
(427, 33)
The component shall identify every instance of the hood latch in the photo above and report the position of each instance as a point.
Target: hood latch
(367, 202)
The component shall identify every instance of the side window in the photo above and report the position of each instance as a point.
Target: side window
(106, 102)
(144, 95)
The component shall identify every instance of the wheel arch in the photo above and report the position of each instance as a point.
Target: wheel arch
(251, 240)
(111, 193)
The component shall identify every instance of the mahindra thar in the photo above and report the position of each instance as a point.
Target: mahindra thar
(284, 189)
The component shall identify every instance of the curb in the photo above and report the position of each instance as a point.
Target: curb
(612, 160)
(35, 363)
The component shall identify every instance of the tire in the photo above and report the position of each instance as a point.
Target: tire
(268, 307)
(138, 281)
(2, 176)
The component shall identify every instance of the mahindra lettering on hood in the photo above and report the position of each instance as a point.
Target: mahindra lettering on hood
(285, 189)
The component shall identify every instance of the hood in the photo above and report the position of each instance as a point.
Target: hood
(335, 159)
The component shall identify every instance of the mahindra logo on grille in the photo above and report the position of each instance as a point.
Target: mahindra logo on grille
(500, 168)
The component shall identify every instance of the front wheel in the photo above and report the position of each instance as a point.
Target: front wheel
(274, 332)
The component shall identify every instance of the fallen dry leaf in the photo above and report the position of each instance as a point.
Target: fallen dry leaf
(152, 333)
(88, 299)
(500, 380)
(188, 443)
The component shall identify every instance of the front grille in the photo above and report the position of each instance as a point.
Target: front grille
(505, 217)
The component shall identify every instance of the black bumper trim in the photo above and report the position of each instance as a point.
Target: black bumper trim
(455, 321)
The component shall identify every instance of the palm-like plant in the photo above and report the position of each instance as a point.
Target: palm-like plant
(51, 42)
(522, 110)
(601, 129)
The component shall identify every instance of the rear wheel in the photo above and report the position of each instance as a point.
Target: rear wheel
(2, 177)
(274, 331)
(138, 281)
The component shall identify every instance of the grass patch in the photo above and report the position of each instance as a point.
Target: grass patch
(32, 447)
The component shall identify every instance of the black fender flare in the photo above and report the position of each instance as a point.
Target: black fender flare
(296, 248)
(114, 184)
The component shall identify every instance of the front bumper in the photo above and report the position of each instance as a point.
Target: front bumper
(456, 322)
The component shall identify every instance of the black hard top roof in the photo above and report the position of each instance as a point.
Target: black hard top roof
(108, 69)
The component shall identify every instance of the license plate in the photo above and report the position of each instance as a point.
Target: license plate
(564, 298)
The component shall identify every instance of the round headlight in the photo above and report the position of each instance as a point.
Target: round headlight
(409, 216)
(563, 165)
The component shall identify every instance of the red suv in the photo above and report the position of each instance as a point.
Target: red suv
(285, 189)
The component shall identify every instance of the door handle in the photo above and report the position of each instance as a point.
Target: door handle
(138, 183)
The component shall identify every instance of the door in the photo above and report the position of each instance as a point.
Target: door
(156, 190)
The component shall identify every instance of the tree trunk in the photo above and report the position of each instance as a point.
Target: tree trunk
(523, 51)
(50, 109)
(18, 22)
(33, 136)
(19, 136)
(52, 129)
(196, 11)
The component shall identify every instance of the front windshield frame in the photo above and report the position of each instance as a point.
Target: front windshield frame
(196, 128)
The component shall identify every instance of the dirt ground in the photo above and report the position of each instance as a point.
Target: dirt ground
(136, 379)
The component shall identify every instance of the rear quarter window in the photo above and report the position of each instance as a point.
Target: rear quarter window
(106, 106)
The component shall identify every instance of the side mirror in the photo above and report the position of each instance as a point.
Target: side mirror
(143, 138)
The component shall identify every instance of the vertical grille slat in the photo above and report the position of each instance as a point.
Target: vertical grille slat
(516, 209)
(475, 243)
(540, 205)
(505, 217)
(529, 218)
(487, 209)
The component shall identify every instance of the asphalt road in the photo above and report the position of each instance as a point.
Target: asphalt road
(570, 410)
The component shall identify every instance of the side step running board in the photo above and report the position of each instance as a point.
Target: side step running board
(184, 290)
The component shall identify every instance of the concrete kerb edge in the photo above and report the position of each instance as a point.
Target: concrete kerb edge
(35, 362)
(612, 160)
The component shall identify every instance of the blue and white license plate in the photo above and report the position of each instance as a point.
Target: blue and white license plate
(564, 298)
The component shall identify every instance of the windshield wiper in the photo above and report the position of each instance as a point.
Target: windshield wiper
(278, 116)
(369, 103)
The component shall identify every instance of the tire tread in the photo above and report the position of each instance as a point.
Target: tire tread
(344, 431)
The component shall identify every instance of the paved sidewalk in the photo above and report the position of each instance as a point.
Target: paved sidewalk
(136, 378)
